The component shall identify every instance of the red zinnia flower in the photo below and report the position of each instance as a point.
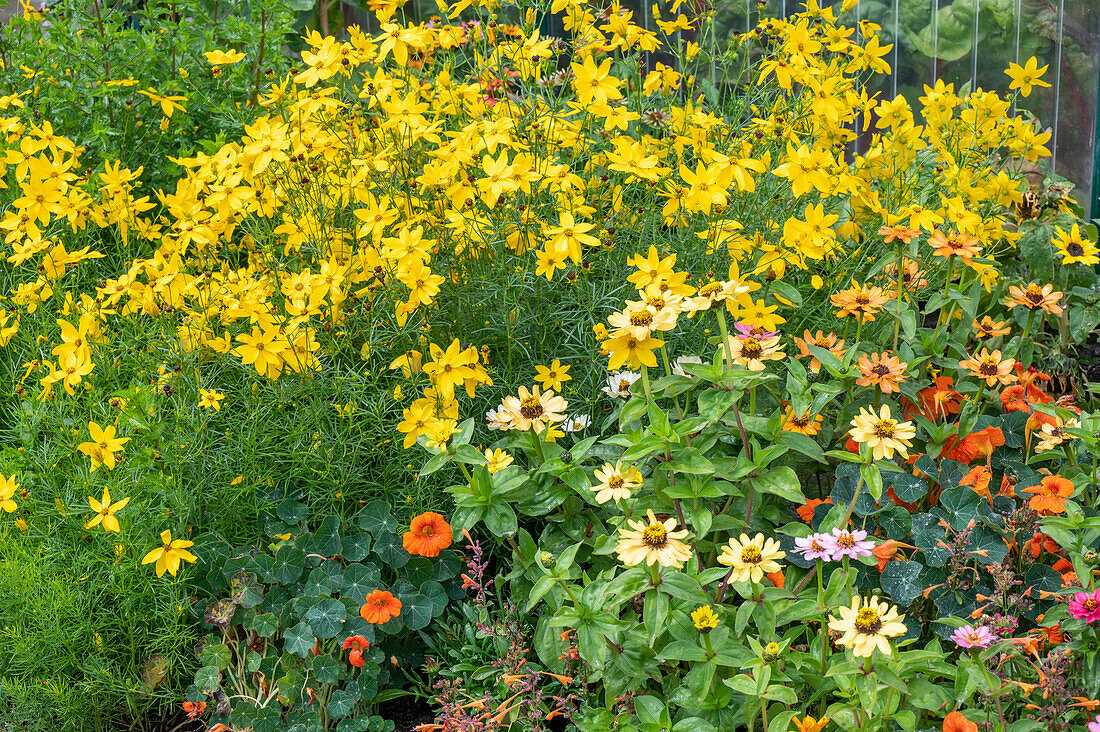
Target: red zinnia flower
(380, 607)
(428, 535)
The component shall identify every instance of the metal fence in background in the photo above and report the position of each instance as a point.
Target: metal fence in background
(968, 43)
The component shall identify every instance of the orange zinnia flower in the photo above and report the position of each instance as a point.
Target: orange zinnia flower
(1034, 297)
(1050, 495)
(806, 510)
(956, 722)
(963, 246)
(898, 233)
(380, 607)
(884, 371)
(428, 535)
(828, 342)
(989, 328)
(989, 366)
(861, 301)
(807, 424)
(911, 275)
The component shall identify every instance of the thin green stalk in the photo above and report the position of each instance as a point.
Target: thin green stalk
(727, 359)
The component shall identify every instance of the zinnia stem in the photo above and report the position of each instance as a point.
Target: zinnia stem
(727, 359)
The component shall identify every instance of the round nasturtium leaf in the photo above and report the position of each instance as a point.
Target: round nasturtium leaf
(326, 618)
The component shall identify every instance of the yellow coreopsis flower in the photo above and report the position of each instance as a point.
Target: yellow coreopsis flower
(1026, 76)
(210, 399)
(554, 376)
(103, 446)
(223, 58)
(8, 487)
(169, 556)
(105, 512)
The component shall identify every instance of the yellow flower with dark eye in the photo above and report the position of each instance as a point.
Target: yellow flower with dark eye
(653, 541)
(884, 434)
(554, 376)
(866, 625)
(704, 619)
(210, 399)
(751, 559)
(103, 446)
(105, 512)
(169, 556)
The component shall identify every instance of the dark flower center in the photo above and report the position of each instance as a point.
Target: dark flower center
(531, 408)
(655, 536)
(868, 621)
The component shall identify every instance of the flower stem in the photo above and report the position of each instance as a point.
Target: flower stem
(538, 446)
(727, 359)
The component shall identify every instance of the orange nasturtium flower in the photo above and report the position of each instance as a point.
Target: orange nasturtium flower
(357, 644)
(1050, 495)
(978, 480)
(169, 556)
(380, 607)
(806, 510)
(428, 535)
(956, 722)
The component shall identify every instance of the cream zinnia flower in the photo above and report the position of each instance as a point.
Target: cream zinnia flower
(615, 483)
(534, 410)
(882, 433)
(753, 352)
(868, 627)
(751, 559)
(653, 542)
(639, 320)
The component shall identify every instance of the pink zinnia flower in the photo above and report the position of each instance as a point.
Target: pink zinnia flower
(814, 546)
(843, 543)
(745, 330)
(970, 637)
(1094, 725)
(1086, 606)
